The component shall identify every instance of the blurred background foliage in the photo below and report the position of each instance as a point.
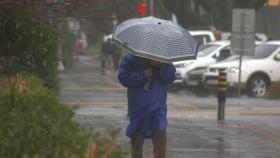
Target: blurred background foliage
(211, 13)
(28, 45)
(98, 17)
(190, 13)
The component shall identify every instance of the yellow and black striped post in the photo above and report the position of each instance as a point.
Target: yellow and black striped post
(222, 89)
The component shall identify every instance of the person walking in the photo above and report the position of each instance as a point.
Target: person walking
(105, 54)
(146, 81)
(116, 54)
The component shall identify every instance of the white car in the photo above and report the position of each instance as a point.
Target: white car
(257, 73)
(203, 36)
(207, 54)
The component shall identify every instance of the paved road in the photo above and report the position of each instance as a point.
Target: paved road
(193, 132)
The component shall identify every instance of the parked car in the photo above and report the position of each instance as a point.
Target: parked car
(207, 54)
(203, 37)
(195, 76)
(257, 72)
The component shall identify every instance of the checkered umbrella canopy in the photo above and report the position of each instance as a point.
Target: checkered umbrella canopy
(156, 39)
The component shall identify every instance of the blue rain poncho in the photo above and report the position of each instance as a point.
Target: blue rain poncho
(147, 107)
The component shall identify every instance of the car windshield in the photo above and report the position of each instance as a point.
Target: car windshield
(205, 50)
(264, 50)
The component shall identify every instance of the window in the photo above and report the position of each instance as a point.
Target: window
(205, 50)
(264, 50)
(201, 39)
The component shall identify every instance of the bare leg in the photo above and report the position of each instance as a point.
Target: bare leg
(137, 141)
(159, 142)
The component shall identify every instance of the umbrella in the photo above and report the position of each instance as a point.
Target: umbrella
(156, 39)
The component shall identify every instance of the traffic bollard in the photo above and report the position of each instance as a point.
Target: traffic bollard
(222, 89)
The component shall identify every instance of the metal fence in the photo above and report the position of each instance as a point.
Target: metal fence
(268, 21)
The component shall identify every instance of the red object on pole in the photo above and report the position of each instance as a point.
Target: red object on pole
(142, 8)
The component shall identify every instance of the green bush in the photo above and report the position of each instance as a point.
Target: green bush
(28, 45)
(34, 124)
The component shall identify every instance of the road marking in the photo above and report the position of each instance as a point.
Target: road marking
(213, 113)
(254, 111)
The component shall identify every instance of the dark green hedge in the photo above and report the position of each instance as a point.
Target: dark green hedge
(34, 124)
(28, 45)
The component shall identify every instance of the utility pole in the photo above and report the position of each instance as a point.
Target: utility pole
(144, 2)
(242, 27)
(152, 7)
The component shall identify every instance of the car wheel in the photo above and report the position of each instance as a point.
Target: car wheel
(258, 86)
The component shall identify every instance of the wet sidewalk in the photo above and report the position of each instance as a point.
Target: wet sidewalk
(193, 138)
(102, 105)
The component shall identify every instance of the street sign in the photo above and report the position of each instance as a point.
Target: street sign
(243, 36)
(243, 20)
(243, 31)
(243, 43)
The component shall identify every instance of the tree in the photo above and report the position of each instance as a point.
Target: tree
(187, 16)
(28, 45)
(97, 16)
(249, 3)
(195, 13)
